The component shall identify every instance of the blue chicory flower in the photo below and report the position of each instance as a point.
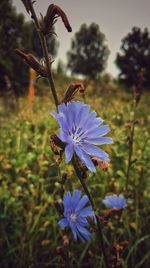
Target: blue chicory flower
(115, 201)
(82, 131)
(75, 214)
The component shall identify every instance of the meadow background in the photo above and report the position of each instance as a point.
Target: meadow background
(31, 175)
(30, 182)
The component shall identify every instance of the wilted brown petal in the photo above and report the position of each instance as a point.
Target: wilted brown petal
(71, 91)
(52, 13)
(103, 165)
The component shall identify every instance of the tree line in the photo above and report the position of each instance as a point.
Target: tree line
(87, 56)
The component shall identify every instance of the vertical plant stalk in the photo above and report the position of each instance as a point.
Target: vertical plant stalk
(100, 236)
(45, 53)
(131, 142)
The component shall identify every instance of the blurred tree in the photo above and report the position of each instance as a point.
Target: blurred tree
(106, 78)
(88, 53)
(134, 60)
(15, 32)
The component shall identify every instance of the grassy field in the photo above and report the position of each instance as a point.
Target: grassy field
(30, 182)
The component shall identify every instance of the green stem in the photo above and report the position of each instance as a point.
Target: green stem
(45, 52)
(48, 65)
(100, 236)
(131, 141)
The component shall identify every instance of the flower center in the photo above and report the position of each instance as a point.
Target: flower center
(73, 217)
(76, 134)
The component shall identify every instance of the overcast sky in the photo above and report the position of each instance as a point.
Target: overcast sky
(115, 19)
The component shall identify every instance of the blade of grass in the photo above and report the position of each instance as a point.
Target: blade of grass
(142, 239)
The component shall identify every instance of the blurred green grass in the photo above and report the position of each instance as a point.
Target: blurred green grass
(30, 181)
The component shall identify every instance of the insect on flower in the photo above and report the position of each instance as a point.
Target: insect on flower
(75, 214)
(82, 131)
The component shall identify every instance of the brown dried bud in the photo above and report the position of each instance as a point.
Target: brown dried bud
(54, 12)
(54, 147)
(118, 247)
(90, 253)
(117, 250)
(80, 169)
(65, 240)
(57, 141)
(72, 90)
(103, 165)
(32, 62)
(128, 124)
(59, 207)
(107, 215)
(60, 250)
